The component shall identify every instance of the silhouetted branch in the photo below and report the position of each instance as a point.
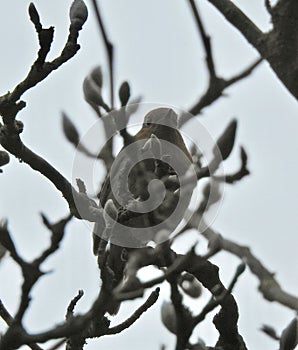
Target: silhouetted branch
(244, 74)
(109, 50)
(215, 90)
(57, 345)
(5, 315)
(73, 304)
(238, 175)
(236, 17)
(41, 69)
(268, 6)
(76, 325)
(205, 39)
(10, 106)
(31, 273)
(11, 141)
(217, 84)
(226, 321)
(279, 45)
(57, 230)
(136, 315)
(268, 286)
(215, 301)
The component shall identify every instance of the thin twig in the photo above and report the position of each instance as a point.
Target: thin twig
(58, 230)
(217, 85)
(268, 6)
(205, 39)
(239, 174)
(41, 69)
(215, 90)
(58, 344)
(245, 73)
(10, 104)
(6, 316)
(109, 50)
(31, 274)
(136, 315)
(73, 303)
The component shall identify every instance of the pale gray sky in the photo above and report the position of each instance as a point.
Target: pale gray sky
(158, 51)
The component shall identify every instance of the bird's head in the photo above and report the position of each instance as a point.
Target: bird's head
(161, 116)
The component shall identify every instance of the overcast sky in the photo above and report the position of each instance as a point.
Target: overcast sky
(157, 49)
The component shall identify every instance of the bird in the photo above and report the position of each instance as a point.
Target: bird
(160, 131)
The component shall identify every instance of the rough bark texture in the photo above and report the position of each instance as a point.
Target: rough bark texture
(282, 44)
(279, 46)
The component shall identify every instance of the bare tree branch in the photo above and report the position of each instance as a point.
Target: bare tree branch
(41, 69)
(31, 273)
(268, 6)
(268, 286)
(216, 85)
(215, 90)
(13, 144)
(205, 39)
(9, 105)
(57, 230)
(5, 315)
(279, 46)
(73, 303)
(136, 315)
(109, 50)
(238, 175)
(236, 17)
(214, 302)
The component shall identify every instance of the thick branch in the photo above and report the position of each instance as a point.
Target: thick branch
(279, 46)
(240, 21)
(5, 315)
(14, 145)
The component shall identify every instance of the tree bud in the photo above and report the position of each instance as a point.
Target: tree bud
(78, 13)
(168, 316)
(70, 130)
(96, 75)
(124, 93)
(225, 143)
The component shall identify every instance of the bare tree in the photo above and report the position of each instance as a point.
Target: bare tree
(186, 274)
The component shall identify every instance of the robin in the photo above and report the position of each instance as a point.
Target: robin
(159, 130)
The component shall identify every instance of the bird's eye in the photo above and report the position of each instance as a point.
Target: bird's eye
(148, 123)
